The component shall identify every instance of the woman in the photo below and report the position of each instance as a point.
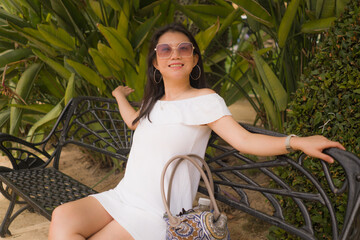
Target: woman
(176, 117)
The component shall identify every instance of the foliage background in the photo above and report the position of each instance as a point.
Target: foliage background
(54, 50)
(327, 103)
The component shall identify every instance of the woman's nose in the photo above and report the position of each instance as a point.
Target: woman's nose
(175, 53)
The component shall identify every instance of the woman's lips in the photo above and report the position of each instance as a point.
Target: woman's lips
(176, 65)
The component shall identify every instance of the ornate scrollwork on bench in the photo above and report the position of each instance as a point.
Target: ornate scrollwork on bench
(95, 124)
(234, 179)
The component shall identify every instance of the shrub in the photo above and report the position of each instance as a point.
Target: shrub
(327, 103)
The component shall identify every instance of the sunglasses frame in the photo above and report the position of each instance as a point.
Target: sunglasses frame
(172, 50)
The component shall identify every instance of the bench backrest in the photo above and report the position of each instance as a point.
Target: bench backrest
(95, 124)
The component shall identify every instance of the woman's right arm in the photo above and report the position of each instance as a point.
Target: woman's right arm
(127, 112)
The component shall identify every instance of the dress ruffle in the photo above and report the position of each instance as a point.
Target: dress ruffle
(191, 111)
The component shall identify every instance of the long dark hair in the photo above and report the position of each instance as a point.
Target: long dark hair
(154, 91)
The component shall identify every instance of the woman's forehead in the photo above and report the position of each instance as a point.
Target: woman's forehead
(173, 38)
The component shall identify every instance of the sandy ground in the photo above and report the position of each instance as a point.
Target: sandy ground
(32, 226)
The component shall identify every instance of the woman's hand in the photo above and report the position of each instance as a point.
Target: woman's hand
(123, 91)
(314, 145)
(127, 112)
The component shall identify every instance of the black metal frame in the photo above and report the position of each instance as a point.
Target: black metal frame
(94, 123)
(239, 198)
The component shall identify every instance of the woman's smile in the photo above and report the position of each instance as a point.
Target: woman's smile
(176, 65)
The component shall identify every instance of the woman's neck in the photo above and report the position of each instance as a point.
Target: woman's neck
(176, 91)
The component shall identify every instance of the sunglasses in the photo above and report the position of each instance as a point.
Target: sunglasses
(184, 49)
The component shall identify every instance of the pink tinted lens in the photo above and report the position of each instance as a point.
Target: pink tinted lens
(163, 50)
(185, 49)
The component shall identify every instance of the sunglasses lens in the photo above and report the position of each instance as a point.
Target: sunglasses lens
(163, 50)
(185, 49)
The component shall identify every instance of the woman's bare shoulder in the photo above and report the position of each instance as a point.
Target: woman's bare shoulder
(204, 91)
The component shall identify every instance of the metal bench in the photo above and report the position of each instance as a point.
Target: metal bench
(36, 182)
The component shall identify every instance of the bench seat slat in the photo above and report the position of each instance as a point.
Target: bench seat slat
(45, 188)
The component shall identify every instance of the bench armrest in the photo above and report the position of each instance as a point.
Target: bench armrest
(22, 154)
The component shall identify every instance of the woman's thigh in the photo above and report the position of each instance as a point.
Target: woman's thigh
(82, 217)
(112, 231)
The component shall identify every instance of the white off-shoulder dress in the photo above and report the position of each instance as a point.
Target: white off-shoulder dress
(175, 127)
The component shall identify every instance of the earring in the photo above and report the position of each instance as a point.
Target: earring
(196, 78)
(157, 82)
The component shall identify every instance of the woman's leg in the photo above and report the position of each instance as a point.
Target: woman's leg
(78, 220)
(112, 231)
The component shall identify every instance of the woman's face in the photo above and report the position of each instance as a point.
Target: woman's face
(174, 56)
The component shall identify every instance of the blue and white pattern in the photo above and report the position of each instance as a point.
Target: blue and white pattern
(196, 225)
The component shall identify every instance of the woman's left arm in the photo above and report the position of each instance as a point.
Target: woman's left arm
(262, 145)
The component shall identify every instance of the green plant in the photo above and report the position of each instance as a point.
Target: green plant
(104, 43)
(79, 48)
(283, 33)
(328, 103)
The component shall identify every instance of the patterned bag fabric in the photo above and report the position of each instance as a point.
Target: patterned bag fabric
(194, 224)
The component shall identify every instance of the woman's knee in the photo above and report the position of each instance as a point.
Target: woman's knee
(60, 220)
(83, 217)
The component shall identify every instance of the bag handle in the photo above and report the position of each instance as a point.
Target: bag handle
(207, 169)
(176, 221)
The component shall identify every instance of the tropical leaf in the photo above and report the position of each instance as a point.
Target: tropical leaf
(205, 37)
(34, 5)
(5, 45)
(131, 77)
(100, 63)
(13, 19)
(254, 10)
(110, 56)
(12, 36)
(223, 3)
(13, 55)
(70, 89)
(49, 117)
(115, 4)
(124, 18)
(57, 67)
(4, 117)
(210, 13)
(271, 82)
(32, 35)
(142, 31)
(88, 74)
(267, 102)
(51, 84)
(23, 89)
(233, 16)
(96, 7)
(36, 108)
(69, 16)
(340, 6)
(328, 9)
(318, 25)
(118, 43)
(287, 21)
(57, 37)
(200, 22)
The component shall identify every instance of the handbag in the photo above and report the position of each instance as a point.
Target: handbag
(194, 223)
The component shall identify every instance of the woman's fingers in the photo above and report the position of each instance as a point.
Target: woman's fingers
(325, 157)
(122, 90)
(314, 146)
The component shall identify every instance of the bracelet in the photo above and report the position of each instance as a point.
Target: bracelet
(287, 143)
